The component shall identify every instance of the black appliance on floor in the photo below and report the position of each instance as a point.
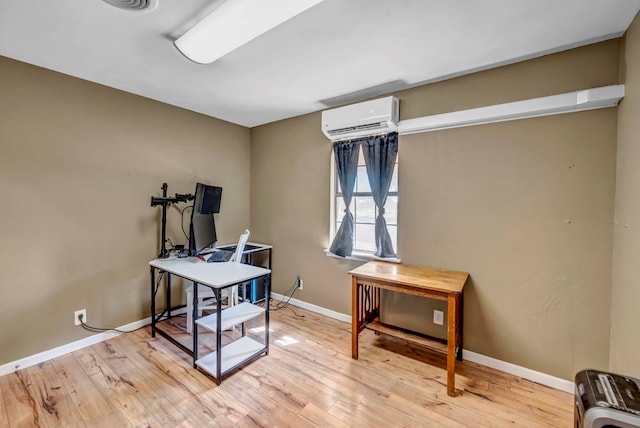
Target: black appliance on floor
(606, 400)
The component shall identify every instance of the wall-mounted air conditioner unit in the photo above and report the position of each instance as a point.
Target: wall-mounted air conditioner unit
(358, 120)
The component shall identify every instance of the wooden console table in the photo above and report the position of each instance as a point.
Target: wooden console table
(439, 284)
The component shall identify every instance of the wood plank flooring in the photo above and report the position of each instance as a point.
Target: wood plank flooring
(308, 380)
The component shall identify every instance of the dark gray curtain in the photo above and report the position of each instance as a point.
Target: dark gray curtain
(380, 153)
(346, 155)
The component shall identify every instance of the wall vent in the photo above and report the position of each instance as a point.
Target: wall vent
(133, 5)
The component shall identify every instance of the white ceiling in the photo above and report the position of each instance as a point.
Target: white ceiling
(338, 52)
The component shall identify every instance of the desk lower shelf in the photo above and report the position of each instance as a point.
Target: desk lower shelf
(411, 337)
(231, 316)
(233, 354)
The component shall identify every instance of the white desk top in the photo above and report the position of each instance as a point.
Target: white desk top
(216, 275)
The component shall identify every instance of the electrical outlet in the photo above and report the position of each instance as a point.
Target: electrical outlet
(299, 283)
(438, 317)
(76, 316)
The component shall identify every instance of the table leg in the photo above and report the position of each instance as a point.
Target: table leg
(194, 326)
(153, 302)
(168, 295)
(460, 310)
(355, 314)
(452, 326)
(267, 291)
(218, 295)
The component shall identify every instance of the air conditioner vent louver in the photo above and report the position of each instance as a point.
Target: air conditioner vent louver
(362, 119)
(368, 127)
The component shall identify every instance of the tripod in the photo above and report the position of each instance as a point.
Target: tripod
(165, 201)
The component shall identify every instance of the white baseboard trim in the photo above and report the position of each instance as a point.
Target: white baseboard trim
(33, 360)
(313, 308)
(503, 366)
(523, 372)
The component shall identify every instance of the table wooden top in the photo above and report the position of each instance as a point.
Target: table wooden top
(443, 280)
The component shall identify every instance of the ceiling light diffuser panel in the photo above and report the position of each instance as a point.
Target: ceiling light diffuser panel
(235, 23)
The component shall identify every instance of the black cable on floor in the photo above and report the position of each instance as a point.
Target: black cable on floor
(285, 303)
(99, 329)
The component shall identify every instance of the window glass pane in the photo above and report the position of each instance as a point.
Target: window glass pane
(339, 208)
(365, 209)
(393, 232)
(391, 210)
(364, 237)
(362, 181)
(394, 180)
(360, 157)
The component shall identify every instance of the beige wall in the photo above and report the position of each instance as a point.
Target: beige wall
(525, 206)
(625, 316)
(78, 165)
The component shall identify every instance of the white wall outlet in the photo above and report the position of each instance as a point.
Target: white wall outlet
(299, 283)
(438, 317)
(76, 316)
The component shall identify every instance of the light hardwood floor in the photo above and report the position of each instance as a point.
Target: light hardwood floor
(307, 380)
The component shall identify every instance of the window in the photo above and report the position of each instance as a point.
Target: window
(364, 210)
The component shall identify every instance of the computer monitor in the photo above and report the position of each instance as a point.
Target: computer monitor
(202, 234)
(207, 199)
(202, 230)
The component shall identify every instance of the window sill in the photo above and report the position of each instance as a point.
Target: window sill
(365, 257)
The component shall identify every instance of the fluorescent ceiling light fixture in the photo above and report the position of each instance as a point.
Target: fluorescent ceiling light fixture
(235, 23)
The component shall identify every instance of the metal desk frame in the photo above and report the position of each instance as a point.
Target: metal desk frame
(217, 277)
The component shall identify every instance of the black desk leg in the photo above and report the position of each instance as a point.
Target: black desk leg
(217, 292)
(267, 295)
(168, 294)
(153, 301)
(244, 328)
(194, 327)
